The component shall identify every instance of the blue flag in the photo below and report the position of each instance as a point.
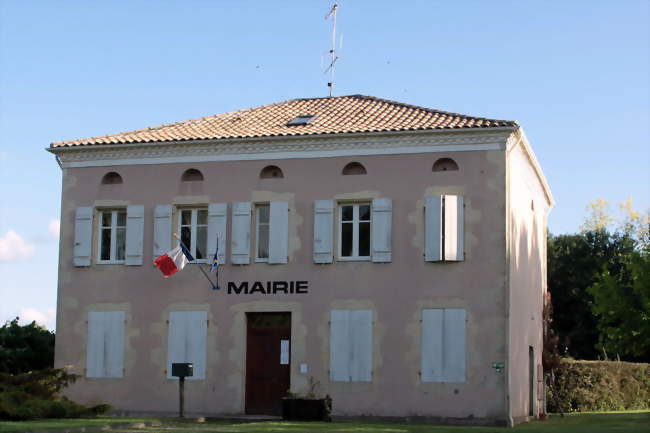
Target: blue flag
(215, 260)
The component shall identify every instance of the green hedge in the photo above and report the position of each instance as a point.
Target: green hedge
(36, 394)
(583, 386)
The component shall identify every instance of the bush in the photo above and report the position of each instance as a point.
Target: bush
(25, 348)
(36, 395)
(581, 386)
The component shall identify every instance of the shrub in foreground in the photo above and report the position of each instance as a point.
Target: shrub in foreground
(36, 394)
(581, 386)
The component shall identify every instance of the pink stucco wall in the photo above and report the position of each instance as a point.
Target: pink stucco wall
(395, 291)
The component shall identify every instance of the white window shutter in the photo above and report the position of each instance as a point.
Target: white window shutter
(361, 345)
(134, 234)
(217, 220)
(433, 229)
(323, 230)
(83, 236)
(95, 344)
(105, 344)
(432, 345)
(454, 222)
(382, 216)
(455, 346)
(443, 345)
(278, 232)
(162, 229)
(241, 233)
(186, 341)
(340, 346)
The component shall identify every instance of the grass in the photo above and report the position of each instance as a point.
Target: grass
(610, 422)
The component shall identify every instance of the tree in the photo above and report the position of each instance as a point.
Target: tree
(621, 304)
(25, 348)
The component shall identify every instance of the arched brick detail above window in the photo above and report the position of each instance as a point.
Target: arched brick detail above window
(271, 172)
(192, 175)
(354, 168)
(111, 178)
(445, 164)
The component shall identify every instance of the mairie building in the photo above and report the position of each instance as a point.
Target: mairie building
(392, 254)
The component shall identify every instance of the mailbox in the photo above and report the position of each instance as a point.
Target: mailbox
(182, 369)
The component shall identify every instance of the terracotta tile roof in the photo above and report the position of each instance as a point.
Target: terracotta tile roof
(341, 114)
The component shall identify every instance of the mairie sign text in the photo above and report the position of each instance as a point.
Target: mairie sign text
(268, 288)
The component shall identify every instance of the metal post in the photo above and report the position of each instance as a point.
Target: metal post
(181, 391)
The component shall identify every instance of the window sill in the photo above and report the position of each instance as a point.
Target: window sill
(353, 259)
(198, 262)
(111, 262)
(261, 260)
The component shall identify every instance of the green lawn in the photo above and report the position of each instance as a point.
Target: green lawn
(610, 422)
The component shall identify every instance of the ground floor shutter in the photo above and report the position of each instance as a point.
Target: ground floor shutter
(105, 344)
(186, 340)
(443, 345)
(351, 345)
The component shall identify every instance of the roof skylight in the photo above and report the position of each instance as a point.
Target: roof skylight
(303, 119)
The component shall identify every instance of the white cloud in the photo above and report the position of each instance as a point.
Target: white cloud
(54, 228)
(45, 318)
(14, 247)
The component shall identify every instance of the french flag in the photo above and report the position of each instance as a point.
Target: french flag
(173, 261)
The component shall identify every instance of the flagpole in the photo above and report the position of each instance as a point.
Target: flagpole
(200, 268)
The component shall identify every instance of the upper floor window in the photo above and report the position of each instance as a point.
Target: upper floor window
(354, 231)
(271, 172)
(111, 178)
(192, 175)
(112, 236)
(194, 231)
(353, 168)
(445, 164)
(262, 224)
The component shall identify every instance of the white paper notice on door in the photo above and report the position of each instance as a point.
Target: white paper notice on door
(284, 352)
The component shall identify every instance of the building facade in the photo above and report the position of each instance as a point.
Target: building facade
(393, 254)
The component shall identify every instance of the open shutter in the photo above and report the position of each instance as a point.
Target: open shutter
(454, 222)
(382, 215)
(340, 346)
(433, 229)
(83, 235)
(361, 345)
(186, 341)
(241, 233)
(278, 232)
(162, 229)
(323, 234)
(443, 345)
(95, 344)
(217, 216)
(134, 234)
(114, 343)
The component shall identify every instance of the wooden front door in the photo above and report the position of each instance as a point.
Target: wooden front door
(268, 360)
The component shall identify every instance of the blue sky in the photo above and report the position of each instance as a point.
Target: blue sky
(574, 74)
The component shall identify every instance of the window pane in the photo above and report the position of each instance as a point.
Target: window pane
(263, 242)
(346, 213)
(120, 242)
(106, 219)
(121, 219)
(263, 214)
(364, 212)
(346, 240)
(106, 244)
(201, 242)
(202, 217)
(186, 218)
(364, 239)
(186, 237)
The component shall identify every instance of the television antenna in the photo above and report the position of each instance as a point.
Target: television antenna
(333, 56)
